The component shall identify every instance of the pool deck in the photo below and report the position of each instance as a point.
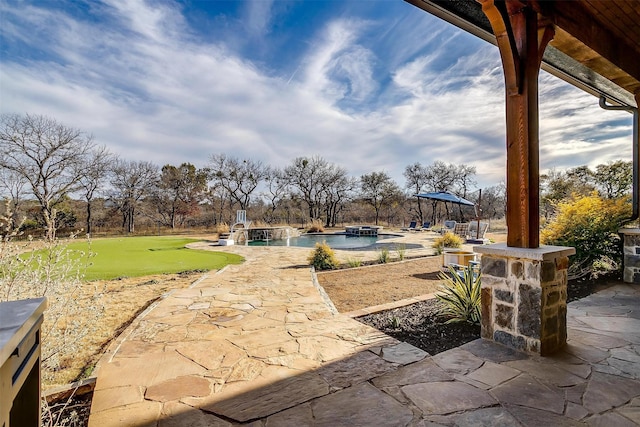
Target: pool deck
(257, 344)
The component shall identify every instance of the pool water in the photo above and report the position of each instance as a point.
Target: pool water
(335, 241)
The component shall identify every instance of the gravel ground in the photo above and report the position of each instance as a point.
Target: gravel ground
(419, 325)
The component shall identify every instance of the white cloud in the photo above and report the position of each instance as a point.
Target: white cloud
(258, 17)
(142, 85)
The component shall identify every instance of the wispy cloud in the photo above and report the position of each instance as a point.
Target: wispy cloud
(258, 17)
(142, 82)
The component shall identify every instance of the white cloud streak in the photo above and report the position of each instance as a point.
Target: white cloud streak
(142, 85)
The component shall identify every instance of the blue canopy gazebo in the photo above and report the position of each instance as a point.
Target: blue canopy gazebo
(447, 197)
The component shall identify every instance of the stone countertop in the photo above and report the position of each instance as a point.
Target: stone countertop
(16, 320)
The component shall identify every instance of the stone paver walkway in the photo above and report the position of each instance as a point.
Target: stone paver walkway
(257, 344)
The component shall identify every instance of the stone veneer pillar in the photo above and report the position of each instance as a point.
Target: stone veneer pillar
(524, 296)
(631, 254)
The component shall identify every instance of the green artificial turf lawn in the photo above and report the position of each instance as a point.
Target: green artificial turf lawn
(142, 256)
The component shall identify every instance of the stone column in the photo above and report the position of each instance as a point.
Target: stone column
(524, 296)
(631, 254)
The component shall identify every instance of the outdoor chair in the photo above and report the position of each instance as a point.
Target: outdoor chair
(447, 227)
(426, 226)
(459, 269)
(411, 227)
(461, 229)
(473, 230)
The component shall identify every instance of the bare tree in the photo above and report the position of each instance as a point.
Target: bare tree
(378, 190)
(132, 182)
(338, 189)
(14, 186)
(179, 191)
(47, 154)
(440, 176)
(239, 178)
(614, 179)
(416, 181)
(97, 166)
(464, 180)
(276, 192)
(311, 180)
(493, 202)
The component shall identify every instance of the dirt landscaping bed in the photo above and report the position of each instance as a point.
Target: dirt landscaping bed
(419, 324)
(356, 288)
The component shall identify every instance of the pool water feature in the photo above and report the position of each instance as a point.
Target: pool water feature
(335, 241)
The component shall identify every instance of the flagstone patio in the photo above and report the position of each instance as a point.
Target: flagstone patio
(258, 344)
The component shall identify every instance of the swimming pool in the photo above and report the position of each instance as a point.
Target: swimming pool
(336, 241)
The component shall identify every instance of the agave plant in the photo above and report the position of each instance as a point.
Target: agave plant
(461, 295)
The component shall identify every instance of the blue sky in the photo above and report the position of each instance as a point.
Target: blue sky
(369, 85)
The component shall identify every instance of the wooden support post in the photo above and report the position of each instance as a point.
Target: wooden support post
(522, 37)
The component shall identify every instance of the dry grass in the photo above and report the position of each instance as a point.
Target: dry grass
(121, 301)
(353, 289)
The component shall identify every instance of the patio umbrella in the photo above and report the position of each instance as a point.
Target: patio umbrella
(445, 196)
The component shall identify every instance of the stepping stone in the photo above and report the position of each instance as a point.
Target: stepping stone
(631, 412)
(612, 324)
(403, 354)
(458, 361)
(609, 391)
(144, 413)
(447, 397)
(611, 419)
(493, 374)
(530, 417)
(176, 388)
(575, 411)
(300, 415)
(117, 396)
(524, 390)
(355, 369)
(594, 339)
(212, 354)
(146, 370)
(425, 371)
(199, 306)
(492, 351)
(361, 405)
(547, 372)
(585, 352)
(494, 417)
(136, 348)
(176, 414)
(253, 401)
(324, 349)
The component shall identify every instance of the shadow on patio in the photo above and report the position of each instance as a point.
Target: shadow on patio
(595, 379)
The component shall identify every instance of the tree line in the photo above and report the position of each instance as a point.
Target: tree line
(59, 177)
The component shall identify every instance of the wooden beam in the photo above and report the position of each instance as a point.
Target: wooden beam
(576, 20)
(522, 38)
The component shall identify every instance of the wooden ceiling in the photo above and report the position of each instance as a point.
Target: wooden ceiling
(596, 45)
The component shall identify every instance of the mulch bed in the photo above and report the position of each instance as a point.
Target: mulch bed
(420, 325)
(70, 412)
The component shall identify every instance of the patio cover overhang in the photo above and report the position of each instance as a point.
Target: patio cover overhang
(592, 44)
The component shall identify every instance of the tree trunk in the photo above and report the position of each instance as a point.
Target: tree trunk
(89, 218)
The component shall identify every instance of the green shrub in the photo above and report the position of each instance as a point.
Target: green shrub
(447, 240)
(589, 224)
(395, 322)
(401, 250)
(323, 257)
(383, 256)
(461, 296)
(316, 227)
(354, 262)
